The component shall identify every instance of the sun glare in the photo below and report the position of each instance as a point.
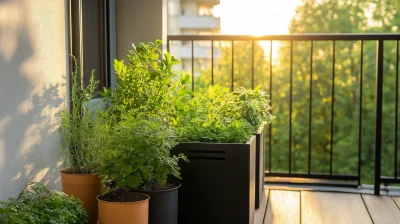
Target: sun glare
(255, 17)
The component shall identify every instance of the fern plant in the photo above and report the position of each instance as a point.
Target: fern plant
(85, 133)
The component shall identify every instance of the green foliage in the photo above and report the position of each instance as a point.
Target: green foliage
(140, 153)
(142, 104)
(250, 105)
(147, 85)
(38, 205)
(214, 114)
(333, 16)
(85, 133)
(325, 16)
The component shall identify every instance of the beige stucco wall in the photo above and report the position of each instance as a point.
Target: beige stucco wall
(32, 89)
(139, 21)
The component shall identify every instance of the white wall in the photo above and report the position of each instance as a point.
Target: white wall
(32, 89)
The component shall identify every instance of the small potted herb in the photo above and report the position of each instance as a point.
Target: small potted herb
(37, 204)
(142, 104)
(140, 160)
(85, 134)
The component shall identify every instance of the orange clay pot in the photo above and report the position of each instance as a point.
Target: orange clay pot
(124, 212)
(86, 187)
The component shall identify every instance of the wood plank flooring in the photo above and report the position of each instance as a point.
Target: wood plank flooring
(304, 206)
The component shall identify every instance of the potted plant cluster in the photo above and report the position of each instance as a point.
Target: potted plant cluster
(140, 140)
(215, 130)
(85, 135)
(139, 158)
(37, 205)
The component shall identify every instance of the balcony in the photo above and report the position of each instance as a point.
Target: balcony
(199, 22)
(320, 205)
(335, 97)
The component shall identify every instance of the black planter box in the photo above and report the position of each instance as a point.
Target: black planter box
(218, 182)
(260, 166)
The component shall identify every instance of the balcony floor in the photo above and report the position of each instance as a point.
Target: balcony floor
(302, 205)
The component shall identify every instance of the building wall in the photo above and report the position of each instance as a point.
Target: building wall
(138, 21)
(33, 73)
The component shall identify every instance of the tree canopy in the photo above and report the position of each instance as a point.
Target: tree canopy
(335, 87)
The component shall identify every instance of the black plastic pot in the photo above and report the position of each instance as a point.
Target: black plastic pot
(218, 182)
(260, 166)
(163, 205)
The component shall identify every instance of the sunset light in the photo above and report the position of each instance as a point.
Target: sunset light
(255, 17)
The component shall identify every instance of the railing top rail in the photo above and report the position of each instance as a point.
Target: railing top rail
(325, 36)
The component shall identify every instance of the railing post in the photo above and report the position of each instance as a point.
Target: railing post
(378, 129)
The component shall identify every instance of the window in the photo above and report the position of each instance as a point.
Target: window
(90, 36)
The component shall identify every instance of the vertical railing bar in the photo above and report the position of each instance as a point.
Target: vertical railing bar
(270, 98)
(233, 52)
(212, 62)
(168, 44)
(310, 109)
(378, 118)
(397, 107)
(290, 106)
(192, 67)
(333, 104)
(252, 64)
(360, 112)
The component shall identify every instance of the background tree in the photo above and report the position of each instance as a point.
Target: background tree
(324, 16)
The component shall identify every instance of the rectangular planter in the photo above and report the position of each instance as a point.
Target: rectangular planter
(260, 166)
(218, 182)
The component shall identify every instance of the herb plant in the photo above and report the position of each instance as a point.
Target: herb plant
(142, 104)
(85, 133)
(250, 105)
(215, 114)
(148, 84)
(201, 118)
(38, 205)
(140, 153)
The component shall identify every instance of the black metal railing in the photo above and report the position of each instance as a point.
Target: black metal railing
(363, 41)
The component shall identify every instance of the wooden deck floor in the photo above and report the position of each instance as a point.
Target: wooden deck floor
(301, 206)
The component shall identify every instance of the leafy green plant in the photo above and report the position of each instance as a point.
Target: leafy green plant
(147, 85)
(250, 105)
(142, 104)
(202, 118)
(37, 205)
(215, 114)
(140, 153)
(85, 133)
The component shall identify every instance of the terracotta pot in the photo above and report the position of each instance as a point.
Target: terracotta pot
(86, 187)
(124, 212)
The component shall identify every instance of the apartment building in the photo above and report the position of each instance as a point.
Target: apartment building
(192, 17)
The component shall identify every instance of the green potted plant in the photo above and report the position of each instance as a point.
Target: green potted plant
(37, 205)
(139, 160)
(254, 107)
(142, 104)
(215, 130)
(85, 134)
